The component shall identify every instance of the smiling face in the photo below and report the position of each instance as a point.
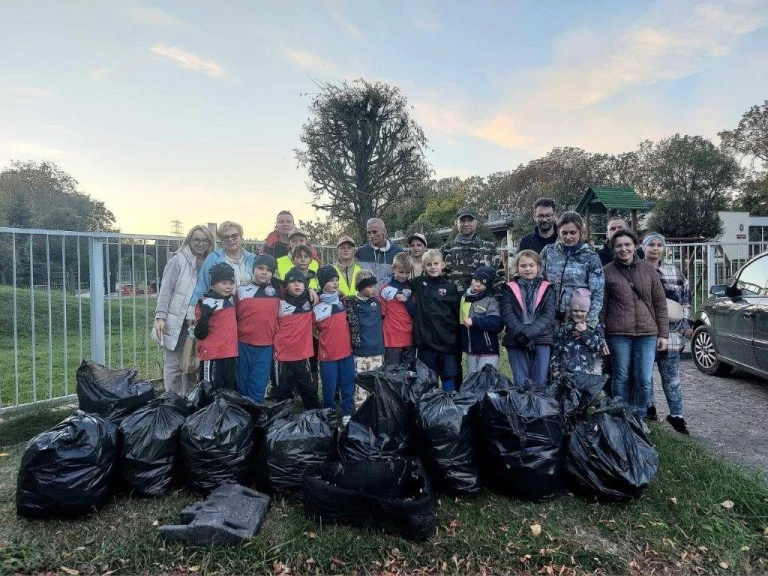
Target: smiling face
(377, 234)
(654, 250)
(434, 267)
(578, 315)
(466, 225)
(624, 248)
(232, 241)
(224, 288)
(199, 243)
(528, 268)
(262, 274)
(569, 234)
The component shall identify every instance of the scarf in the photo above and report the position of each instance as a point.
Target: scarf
(529, 287)
(465, 240)
(297, 301)
(471, 296)
(332, 298)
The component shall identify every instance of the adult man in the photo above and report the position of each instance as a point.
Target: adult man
(615, 223)
(544, 230)
(378, 253)
(277, 242)
(466, 252)
(346, 265)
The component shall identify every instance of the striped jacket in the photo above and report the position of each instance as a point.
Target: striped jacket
(677, 288)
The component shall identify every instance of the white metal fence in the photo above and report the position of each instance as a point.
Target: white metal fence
(71, 295)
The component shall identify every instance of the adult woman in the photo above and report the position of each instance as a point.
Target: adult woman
(636, 321)
(178, 283)
(676, 288)
(417, 245)
(571, 263)
(231, 236)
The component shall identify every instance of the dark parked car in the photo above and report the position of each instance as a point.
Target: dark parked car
(731, 328)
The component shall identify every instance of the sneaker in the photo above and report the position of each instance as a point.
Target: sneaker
(345, 420)
(650, 414)
(678, 423)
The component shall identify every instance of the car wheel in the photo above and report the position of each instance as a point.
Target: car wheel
(704, 355)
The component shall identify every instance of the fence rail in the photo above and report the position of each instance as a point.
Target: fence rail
(71, 295)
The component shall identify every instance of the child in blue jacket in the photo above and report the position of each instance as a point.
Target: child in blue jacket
(480, 318)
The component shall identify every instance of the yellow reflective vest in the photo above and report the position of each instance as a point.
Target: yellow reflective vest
(284, 265)
(348, 277)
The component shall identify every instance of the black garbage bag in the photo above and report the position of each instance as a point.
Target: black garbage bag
(487, 379)
(109, 393)
(149, 452)
(380, 428)
(446, 431)
(608, 456)
(292, 445)
(200, 395)
(390, 495)
(577, 391)
(414, 380)
(217, 446)
(520, 441)
(68, 470)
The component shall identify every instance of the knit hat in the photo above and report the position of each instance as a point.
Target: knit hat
(220, 272)
(265, 260)
(651, 236)
(295, 275)
(325, 274)
(484, 274)
(365, 281)
(581, 299)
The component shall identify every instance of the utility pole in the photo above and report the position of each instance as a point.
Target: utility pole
(176, 228)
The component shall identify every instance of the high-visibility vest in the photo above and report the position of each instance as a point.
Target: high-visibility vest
(348, 288)
(284, 265)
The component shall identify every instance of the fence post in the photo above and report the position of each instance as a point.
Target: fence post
(96, 285)
(711, 266)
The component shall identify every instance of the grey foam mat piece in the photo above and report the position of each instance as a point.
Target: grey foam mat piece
(229, 515)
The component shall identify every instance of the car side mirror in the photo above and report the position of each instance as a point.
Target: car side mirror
(718, 290)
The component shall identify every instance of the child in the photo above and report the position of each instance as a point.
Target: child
(576, 345)
(216, 329)
(437, 318)
(365, 318)
(293, 342)
(296, 237)
(347, 266)
(337, 366)
(399, 310)
(528, 312)
(480, 317)
(302, 259)
(257, 307)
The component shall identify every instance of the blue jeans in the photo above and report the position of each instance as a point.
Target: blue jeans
(669, 370)
(341, 374)
(253, 367)
(530, 364)
(639, 353)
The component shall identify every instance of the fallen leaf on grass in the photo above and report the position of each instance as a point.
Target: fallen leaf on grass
(744, 549)
(727, 504)
(70, 571)
(536, 529)
(4, 454)
(310, 535)
(724, 565)
(155, 523)
(194, 568)
(673, 500)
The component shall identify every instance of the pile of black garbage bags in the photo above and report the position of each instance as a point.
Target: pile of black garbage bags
(408, 441)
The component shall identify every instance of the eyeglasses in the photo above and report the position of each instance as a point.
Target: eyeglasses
(202, 241)
(231, 237)
(544, 216)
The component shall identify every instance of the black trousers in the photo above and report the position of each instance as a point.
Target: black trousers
(222, 372)
(404, 355)
(296, 374)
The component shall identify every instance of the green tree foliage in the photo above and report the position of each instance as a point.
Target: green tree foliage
(42, 195)
(750, 137)
(692, 180)
(753, 196)
(326, 231)
(362, 150)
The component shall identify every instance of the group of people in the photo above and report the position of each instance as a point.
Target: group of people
(285, 316)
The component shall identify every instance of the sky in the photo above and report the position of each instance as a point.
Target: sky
(192, 109)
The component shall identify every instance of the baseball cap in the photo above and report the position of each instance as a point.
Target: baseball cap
(417, 236)
(346, 240)
(297, 232)
(466, 211)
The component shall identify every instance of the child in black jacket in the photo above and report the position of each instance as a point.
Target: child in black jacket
(528, 313)
(437, 318)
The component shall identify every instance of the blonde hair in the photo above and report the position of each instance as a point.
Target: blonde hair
(532, 254)
(403, 261)
(226, 225)
(432, 255)
(208, 235)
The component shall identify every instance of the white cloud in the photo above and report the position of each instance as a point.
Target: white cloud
(188, 60)
(353, 30)
(157, 18)
(309, 61)
(24, 150)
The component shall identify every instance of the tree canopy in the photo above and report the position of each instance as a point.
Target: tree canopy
(362, 151)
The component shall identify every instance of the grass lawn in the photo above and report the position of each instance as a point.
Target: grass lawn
(683, 524)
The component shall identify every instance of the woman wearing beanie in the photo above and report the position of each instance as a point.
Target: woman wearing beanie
(677, 289)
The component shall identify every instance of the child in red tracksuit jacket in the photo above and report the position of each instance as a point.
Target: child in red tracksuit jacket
(399, 310)
(337, 365)
(293, 342)
(257, 306)
(216, 329)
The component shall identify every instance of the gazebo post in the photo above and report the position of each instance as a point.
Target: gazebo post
(586, 217)
(634, 220)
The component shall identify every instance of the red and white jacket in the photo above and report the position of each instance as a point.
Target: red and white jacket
(257, 308)
(335, 342)
(293, 340)
(221, 340)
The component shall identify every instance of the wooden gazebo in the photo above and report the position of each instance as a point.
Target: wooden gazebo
(605, 199)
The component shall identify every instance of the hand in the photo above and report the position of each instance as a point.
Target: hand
(468, 322)
(688, 333)
(661, 344)
(605, 351)
(313, 297)
(522, 339)
(401, 298)
(581, 326)
(159, 329)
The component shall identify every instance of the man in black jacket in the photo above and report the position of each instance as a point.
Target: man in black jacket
(545, 231)
(614, 224)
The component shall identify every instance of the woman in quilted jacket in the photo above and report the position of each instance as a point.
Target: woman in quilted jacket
(636, 321)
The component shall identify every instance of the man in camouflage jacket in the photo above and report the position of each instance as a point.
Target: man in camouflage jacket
(466, 252)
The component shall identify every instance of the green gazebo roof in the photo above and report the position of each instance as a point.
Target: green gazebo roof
(600, 199)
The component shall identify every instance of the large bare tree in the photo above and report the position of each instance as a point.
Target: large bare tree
(362, 150)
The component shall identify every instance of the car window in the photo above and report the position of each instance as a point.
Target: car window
(753, 278)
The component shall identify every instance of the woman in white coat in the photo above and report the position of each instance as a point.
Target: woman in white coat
(176, 287)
